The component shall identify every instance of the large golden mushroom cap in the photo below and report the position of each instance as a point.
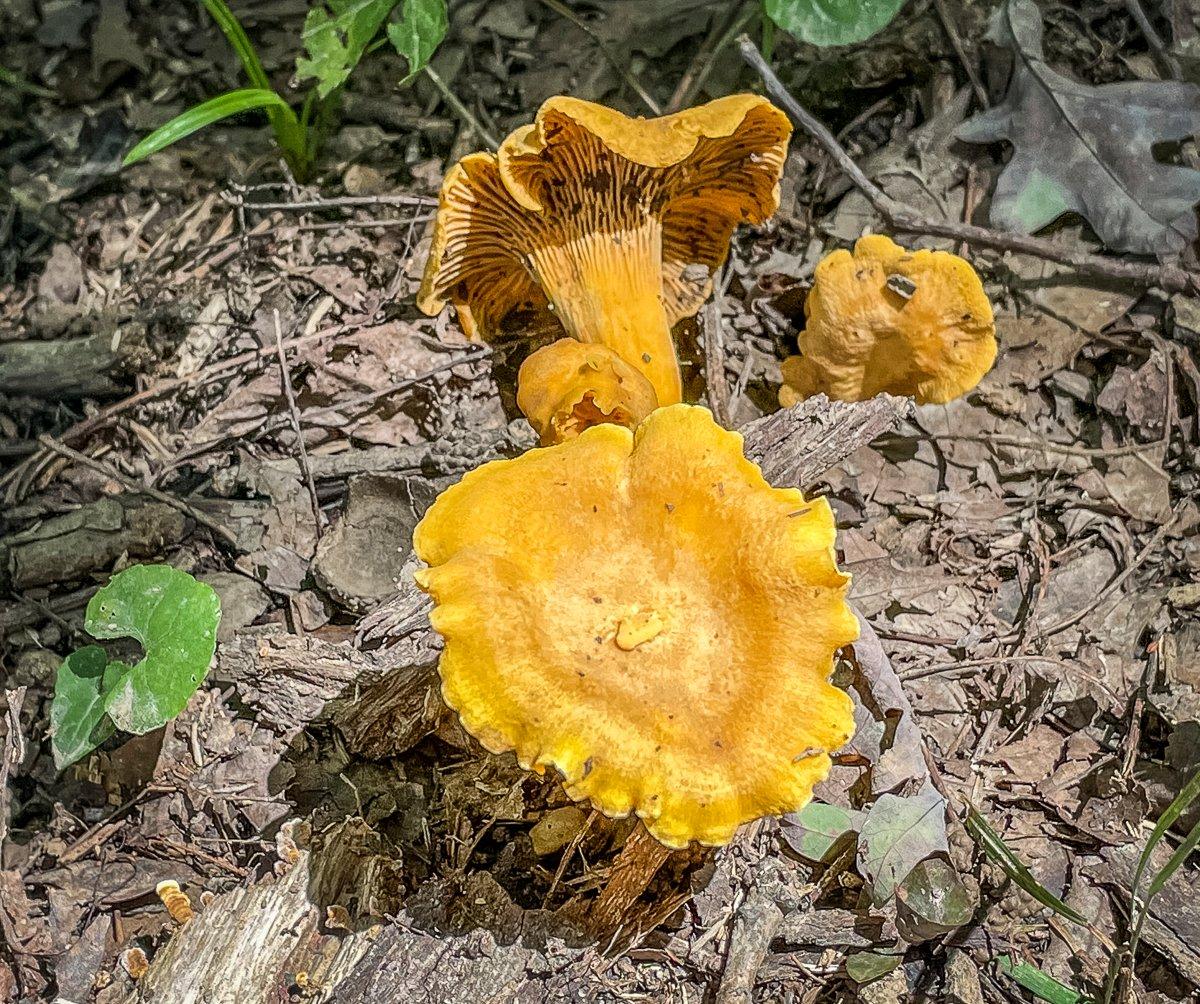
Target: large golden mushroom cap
(609, 226)
(570, 386)
(643, 612)
(885, 320)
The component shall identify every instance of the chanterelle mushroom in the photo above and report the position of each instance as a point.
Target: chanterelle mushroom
(886, 320)
(643, 612)
(613, 224)
(569, 386)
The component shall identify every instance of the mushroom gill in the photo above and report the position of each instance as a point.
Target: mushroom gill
(612, 226)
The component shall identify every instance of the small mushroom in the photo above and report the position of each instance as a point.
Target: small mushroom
(606, 227)
(886, 320)
(567, 387)
(642, 612)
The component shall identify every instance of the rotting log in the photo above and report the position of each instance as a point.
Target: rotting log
(68, 547)
(93, 366)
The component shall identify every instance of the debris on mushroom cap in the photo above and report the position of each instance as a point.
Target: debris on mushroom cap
(886, 320)
(567, 387)
(606, 227)
(643, 612)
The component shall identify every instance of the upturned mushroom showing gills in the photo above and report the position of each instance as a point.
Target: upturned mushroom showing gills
(613, 226)
(569, 386)
(644, 613)
(885, 320)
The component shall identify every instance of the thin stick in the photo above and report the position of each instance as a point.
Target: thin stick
(1170, 278)
(714, 353)
(562, 10)
(461, 110)
(341, 202)
(960, 50)
(697, 73)
(294, 412)
(1165, 60)
(131, 485)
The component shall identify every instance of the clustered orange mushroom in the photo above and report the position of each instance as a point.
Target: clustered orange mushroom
(632, 604)
(604, 226)
(888, 320)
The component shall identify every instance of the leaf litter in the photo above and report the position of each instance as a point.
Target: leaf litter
(1021, 558)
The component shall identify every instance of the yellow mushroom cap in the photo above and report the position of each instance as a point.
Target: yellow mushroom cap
(605, 226)
(567, 387)
(886, 320)
(643, 612)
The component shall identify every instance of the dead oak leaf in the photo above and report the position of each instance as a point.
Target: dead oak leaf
(1087, 149)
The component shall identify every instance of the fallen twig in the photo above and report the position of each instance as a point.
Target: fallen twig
(131, 485)
(1170, 278)
(285, 378)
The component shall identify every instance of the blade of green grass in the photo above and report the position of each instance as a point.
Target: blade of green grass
(232, 27)
(204, 114)
(18, 83)
(1038, 983)
(1177, 808)
(1181, 854)
(996, 849)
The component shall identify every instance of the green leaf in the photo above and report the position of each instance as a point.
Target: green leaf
(336, 43)
(832, 22)
(863, 967)
(899, 833)
(78, 723)
(1179, 805)
(213, 110)
(233, 30)
(419, 32)
(995, 848)
(1038, 983)
(816, 828)
(935, 894)
(175, 619)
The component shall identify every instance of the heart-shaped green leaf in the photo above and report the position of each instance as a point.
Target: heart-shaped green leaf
(78, 723)
(175, 619)
(832, 22)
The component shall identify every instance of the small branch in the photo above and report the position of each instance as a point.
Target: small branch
(461, 110)
(714, 353)
(131, 485)
(286, 379)
(562, 10)
(1166, 62)
(635, 867)
(1170, 278)
(960, 50)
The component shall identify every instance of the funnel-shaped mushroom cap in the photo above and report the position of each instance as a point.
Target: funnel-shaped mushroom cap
(885, 320)
(567, 387)
(613, 226)
(642, 611)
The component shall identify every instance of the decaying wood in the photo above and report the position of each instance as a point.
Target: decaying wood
(93, 366)
(452, 454)
(70, 546)
(795, 446)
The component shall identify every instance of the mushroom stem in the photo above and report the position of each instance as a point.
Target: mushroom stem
(606, 287)
(636, 865)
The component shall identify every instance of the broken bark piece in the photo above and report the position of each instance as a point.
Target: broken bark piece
(795, 446)
(68, 547)
(382, 705)
(358, 563)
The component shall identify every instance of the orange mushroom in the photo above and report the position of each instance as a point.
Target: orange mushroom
(886, 320)
(644, 613)
(607, 226)
(569, 386)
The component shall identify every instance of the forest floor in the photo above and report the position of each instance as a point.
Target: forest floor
(1024, 559)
